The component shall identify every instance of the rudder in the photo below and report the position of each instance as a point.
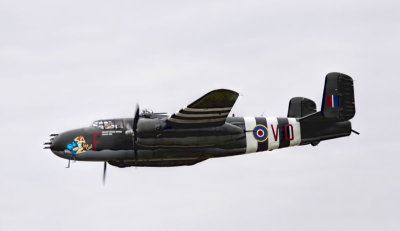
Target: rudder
(338, 99)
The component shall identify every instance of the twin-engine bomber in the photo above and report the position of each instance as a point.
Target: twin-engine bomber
(203, 130)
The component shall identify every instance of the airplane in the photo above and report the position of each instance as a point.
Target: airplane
(204, 130)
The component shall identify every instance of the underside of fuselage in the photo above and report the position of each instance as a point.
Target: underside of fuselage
(155, 162)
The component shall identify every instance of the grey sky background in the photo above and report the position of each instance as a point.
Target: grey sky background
(64, 64)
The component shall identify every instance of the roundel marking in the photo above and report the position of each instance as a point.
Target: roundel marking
(260, 133)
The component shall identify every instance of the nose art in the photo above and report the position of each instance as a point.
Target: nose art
(49, 145)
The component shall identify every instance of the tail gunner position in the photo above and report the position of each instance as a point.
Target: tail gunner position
(203, 130)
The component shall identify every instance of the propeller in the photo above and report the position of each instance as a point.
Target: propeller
(104, 172)
(130, 131)
(134, 129)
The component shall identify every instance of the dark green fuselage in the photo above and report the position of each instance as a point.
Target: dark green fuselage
(159, 144)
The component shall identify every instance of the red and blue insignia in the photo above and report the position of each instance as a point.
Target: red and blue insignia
(260, 133)
(332, 100)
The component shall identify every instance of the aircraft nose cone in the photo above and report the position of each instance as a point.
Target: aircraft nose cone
(58, 146)
(64, 143)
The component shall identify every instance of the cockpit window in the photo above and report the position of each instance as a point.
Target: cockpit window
(98, 124)
(119, 124)
(108, 124)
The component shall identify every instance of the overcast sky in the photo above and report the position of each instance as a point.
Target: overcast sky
(64, 64)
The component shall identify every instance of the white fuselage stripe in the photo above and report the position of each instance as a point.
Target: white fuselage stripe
(251, 142)
(273, 133)
(296, 132)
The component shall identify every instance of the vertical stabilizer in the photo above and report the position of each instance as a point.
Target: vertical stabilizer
(300, 107)
(338, 99)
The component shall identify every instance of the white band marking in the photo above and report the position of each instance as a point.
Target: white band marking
(251, 143)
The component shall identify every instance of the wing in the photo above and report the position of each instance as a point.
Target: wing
(209, 110)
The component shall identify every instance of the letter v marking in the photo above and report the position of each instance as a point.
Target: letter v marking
(275, 133)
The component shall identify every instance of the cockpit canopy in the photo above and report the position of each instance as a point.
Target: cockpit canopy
(108, 124)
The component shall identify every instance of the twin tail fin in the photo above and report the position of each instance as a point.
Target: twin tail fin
(337, 101)
(338, 98)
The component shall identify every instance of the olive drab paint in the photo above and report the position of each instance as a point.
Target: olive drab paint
(204, 130)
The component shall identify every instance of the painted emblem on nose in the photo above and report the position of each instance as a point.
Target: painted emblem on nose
(79, 145)
(260, 133)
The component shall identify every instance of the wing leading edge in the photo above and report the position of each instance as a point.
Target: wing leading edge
(212, 109)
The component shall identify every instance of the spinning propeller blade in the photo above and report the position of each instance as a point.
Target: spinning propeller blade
(134, 128)
(136, 118)
(104, 172)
